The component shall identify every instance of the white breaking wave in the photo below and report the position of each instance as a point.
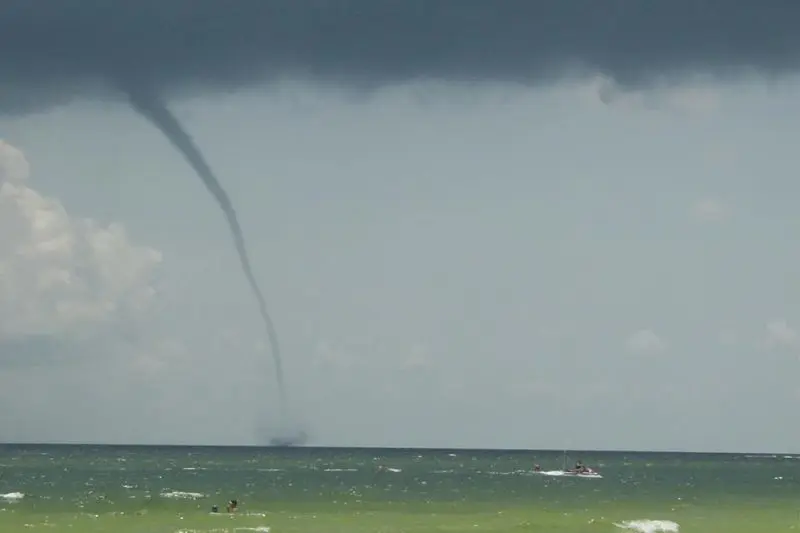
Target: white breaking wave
(248, 513)
(180, 495)
(12, 496)
(215, 530)
(650, 526)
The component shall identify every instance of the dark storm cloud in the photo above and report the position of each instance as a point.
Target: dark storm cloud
(53, 50)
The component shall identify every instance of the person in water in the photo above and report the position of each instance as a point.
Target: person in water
(232, 505)
(537, 468)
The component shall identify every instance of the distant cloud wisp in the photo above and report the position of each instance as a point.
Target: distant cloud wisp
(645, 342)
(779, 334)
(711, 210)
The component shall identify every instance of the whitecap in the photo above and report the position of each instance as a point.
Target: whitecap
(12, 496)
(180, 495)
(217, 530)
(650, 526)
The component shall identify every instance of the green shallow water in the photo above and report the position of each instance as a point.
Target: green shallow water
(170, 489)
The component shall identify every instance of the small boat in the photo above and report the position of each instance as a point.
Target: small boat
(580, 471)
(587, 473)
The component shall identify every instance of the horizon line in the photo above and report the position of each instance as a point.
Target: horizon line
(395, 448)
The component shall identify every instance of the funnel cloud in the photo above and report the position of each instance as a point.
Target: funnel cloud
(149, 106)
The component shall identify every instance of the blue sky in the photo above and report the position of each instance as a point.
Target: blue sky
(483, 265)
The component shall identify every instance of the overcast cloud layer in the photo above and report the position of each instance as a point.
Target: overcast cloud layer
(598, 260)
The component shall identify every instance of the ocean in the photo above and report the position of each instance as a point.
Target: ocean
(147, 489)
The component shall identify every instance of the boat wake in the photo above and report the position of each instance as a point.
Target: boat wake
(567, 473)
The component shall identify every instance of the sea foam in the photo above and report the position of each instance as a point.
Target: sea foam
(180, 495)
(650, 526)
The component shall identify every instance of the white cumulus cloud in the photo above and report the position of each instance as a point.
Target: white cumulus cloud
(61, 275)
